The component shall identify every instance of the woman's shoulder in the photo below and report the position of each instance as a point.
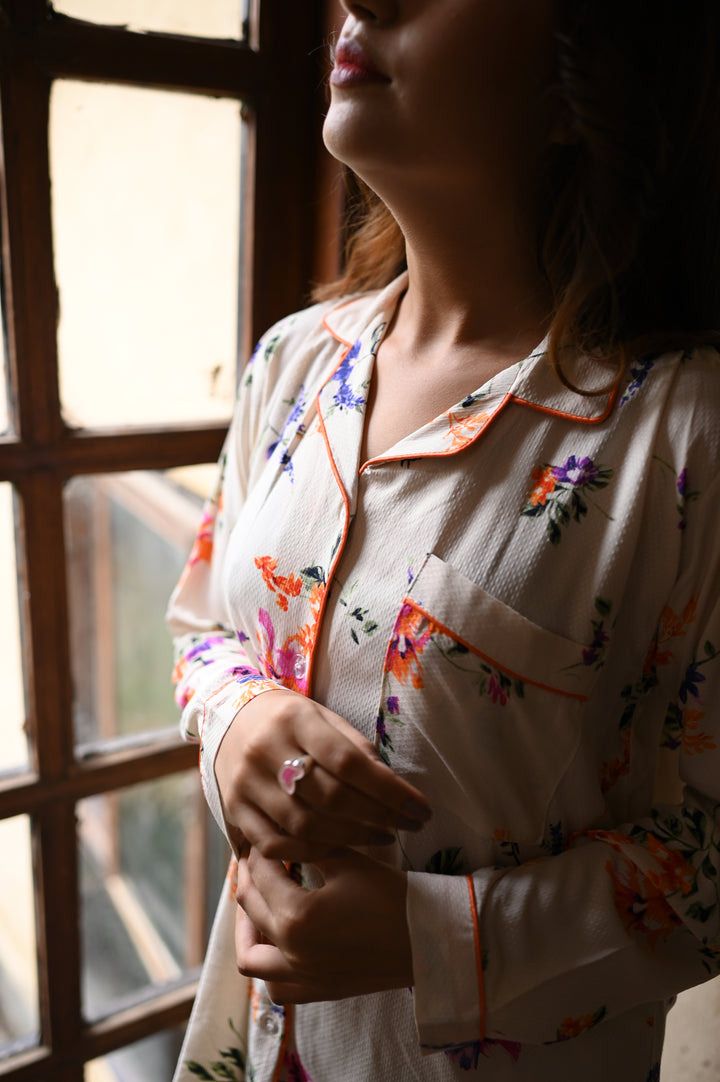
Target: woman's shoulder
(687, 405)
(297, 338)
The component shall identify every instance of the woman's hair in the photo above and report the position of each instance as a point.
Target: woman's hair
(630, 237)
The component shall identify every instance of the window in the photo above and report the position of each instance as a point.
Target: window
(163, 201)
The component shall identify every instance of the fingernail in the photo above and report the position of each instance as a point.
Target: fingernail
(413, 809)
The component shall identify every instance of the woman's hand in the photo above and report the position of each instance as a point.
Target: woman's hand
(348, 797)
(347, 938)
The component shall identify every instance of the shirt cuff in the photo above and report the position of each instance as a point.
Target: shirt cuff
(449, 999)
(218, 714)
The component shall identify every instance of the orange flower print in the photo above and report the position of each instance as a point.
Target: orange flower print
(289, 663)
(407, 645)
(203, 547)
(463, 429)
(285, 586)
(612, 771)
(544, 485)
(573, 1027)
(694, 740)
(673, 873)
(640, 904)
(232, 877)
(672, 625)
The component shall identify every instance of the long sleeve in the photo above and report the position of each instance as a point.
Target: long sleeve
(620, 917)
(214, 675)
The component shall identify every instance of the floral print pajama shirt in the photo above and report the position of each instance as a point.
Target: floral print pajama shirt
(519, 604)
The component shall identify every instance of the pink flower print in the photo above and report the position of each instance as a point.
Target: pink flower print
(287, 664)
(497, 693)
(295, 1070)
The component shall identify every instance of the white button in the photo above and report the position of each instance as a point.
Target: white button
(270, 1023)
(300, 667)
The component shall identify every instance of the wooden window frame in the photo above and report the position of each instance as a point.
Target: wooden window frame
(291, 205)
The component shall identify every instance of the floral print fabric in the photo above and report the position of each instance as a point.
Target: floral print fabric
(519, 604)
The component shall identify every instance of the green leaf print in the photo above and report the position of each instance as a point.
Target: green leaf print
(229, 1068)
(198, 1070)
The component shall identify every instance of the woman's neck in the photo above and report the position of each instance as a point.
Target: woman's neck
(474, 278)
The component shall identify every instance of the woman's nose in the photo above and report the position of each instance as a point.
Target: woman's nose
(375, 11)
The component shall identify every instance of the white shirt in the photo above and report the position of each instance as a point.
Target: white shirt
(519, 603)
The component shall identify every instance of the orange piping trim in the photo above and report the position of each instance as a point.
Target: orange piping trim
(343, 355)
(571, 416)
(486, 657)
(283, 1044)
(340, 548)
(478, 956)
(441, 454)
(508, 398)
(328, 328)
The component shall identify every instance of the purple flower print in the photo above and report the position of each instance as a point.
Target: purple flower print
(467, 1056)
(685, 497)
(693, 677)
(383, 742)
(577, 472)
(593, 653)
(204, 644)
(639, 372)
(560, 492)
(393, 705)
(293, 424)
(344, 398)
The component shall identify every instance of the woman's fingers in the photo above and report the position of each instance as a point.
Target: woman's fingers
(322, 809)
(348, 757)
(302, 839)
(323, 943)
(254, 957)
(348, 796)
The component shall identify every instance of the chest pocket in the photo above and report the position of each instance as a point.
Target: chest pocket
(480, 707)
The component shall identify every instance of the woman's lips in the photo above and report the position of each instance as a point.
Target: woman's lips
(353, 67)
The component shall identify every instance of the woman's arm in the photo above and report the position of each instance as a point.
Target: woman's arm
(350, 797)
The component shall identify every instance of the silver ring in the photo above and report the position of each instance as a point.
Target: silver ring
(292, 771)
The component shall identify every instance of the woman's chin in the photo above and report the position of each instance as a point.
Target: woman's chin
(351, 137)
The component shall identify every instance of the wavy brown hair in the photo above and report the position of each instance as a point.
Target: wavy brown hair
(630, 235)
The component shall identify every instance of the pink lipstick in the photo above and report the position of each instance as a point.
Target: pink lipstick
(353, 66)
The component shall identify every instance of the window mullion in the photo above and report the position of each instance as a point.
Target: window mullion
(27, 227)
(281, 202)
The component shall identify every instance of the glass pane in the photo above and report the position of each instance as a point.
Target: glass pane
(151, 1060)
(146, 203)
(128, 536)
(144, 907)
(19, 1024)
(13, 744)
(208, 19)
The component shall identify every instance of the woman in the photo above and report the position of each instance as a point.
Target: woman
(449, 636)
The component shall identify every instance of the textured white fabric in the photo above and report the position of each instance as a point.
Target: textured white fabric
(518, 603)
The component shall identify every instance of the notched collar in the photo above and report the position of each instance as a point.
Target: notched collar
(533, 382)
